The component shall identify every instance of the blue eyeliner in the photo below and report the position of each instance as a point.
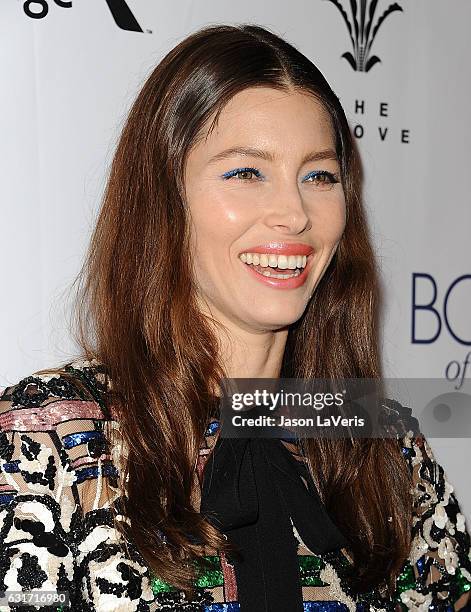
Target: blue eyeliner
(332, 178)
(232, 173)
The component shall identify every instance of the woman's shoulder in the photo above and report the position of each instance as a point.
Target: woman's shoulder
(439, 562)
(43, 400)
(396, 418)
(60, 492)
(398, 421)
(56, 427)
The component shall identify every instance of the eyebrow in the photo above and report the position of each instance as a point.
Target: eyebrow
(266, 155)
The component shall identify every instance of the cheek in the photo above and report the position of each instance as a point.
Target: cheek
(219, 218)
(330, 219)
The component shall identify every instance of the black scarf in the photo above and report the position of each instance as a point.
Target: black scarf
(250, 489)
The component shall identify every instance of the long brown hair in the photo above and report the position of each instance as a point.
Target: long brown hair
(138, 314)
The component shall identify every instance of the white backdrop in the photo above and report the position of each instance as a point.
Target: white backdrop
(69, 77)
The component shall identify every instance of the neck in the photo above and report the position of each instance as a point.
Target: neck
(245, 352)
(253, 355)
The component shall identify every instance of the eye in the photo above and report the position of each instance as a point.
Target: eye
(321, 177)
(244, 174)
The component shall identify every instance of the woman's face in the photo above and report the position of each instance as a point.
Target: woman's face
(264, 199)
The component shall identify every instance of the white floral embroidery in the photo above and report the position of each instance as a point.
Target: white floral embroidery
(46, 377)
(97, 536)
(32, 510)
(440, 516)
(66, 477)
(447, 552)
(67, 511)
(36, 465)
(329, 575)
(418, 547)
(108, 602)
(460, 522)
(48, 563)
(108, 570)
(36, 511)
(416, 601)
(427, 526)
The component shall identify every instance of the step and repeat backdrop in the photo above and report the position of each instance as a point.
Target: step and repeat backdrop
(70, 71)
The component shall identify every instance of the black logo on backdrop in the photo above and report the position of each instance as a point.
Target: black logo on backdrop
(363, 30)
(431, 309)
(37, 9)
(122, 14)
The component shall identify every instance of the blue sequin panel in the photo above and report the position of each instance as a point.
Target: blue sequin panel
(309, 606)
(421, 565)
(108, 469)
(212, 428)
(11, 466)
(6, 498)
(324, 606)
(80, 437)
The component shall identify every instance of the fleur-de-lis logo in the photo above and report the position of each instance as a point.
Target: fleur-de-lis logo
(363, 30)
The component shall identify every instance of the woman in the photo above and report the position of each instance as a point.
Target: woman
(231, 243)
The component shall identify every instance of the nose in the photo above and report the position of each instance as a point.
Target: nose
(287, 212)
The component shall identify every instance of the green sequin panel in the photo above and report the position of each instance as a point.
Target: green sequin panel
(464, 585)
(159, 586)
(211, 575)
(309, 569)
(405, 580)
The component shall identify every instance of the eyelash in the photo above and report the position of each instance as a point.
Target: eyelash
(333, 178)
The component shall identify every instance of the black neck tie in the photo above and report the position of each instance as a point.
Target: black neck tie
(252, 490)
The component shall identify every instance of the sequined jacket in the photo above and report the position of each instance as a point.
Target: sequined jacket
(57, 532)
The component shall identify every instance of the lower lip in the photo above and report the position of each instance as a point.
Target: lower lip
(282, 283)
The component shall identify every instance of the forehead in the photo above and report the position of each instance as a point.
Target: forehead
(272, 118)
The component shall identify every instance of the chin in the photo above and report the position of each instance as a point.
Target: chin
(272, 319)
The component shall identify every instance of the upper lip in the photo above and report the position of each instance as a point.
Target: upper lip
(280, 248)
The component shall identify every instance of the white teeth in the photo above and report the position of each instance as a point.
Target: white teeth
(266, 260)
(282, 262)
